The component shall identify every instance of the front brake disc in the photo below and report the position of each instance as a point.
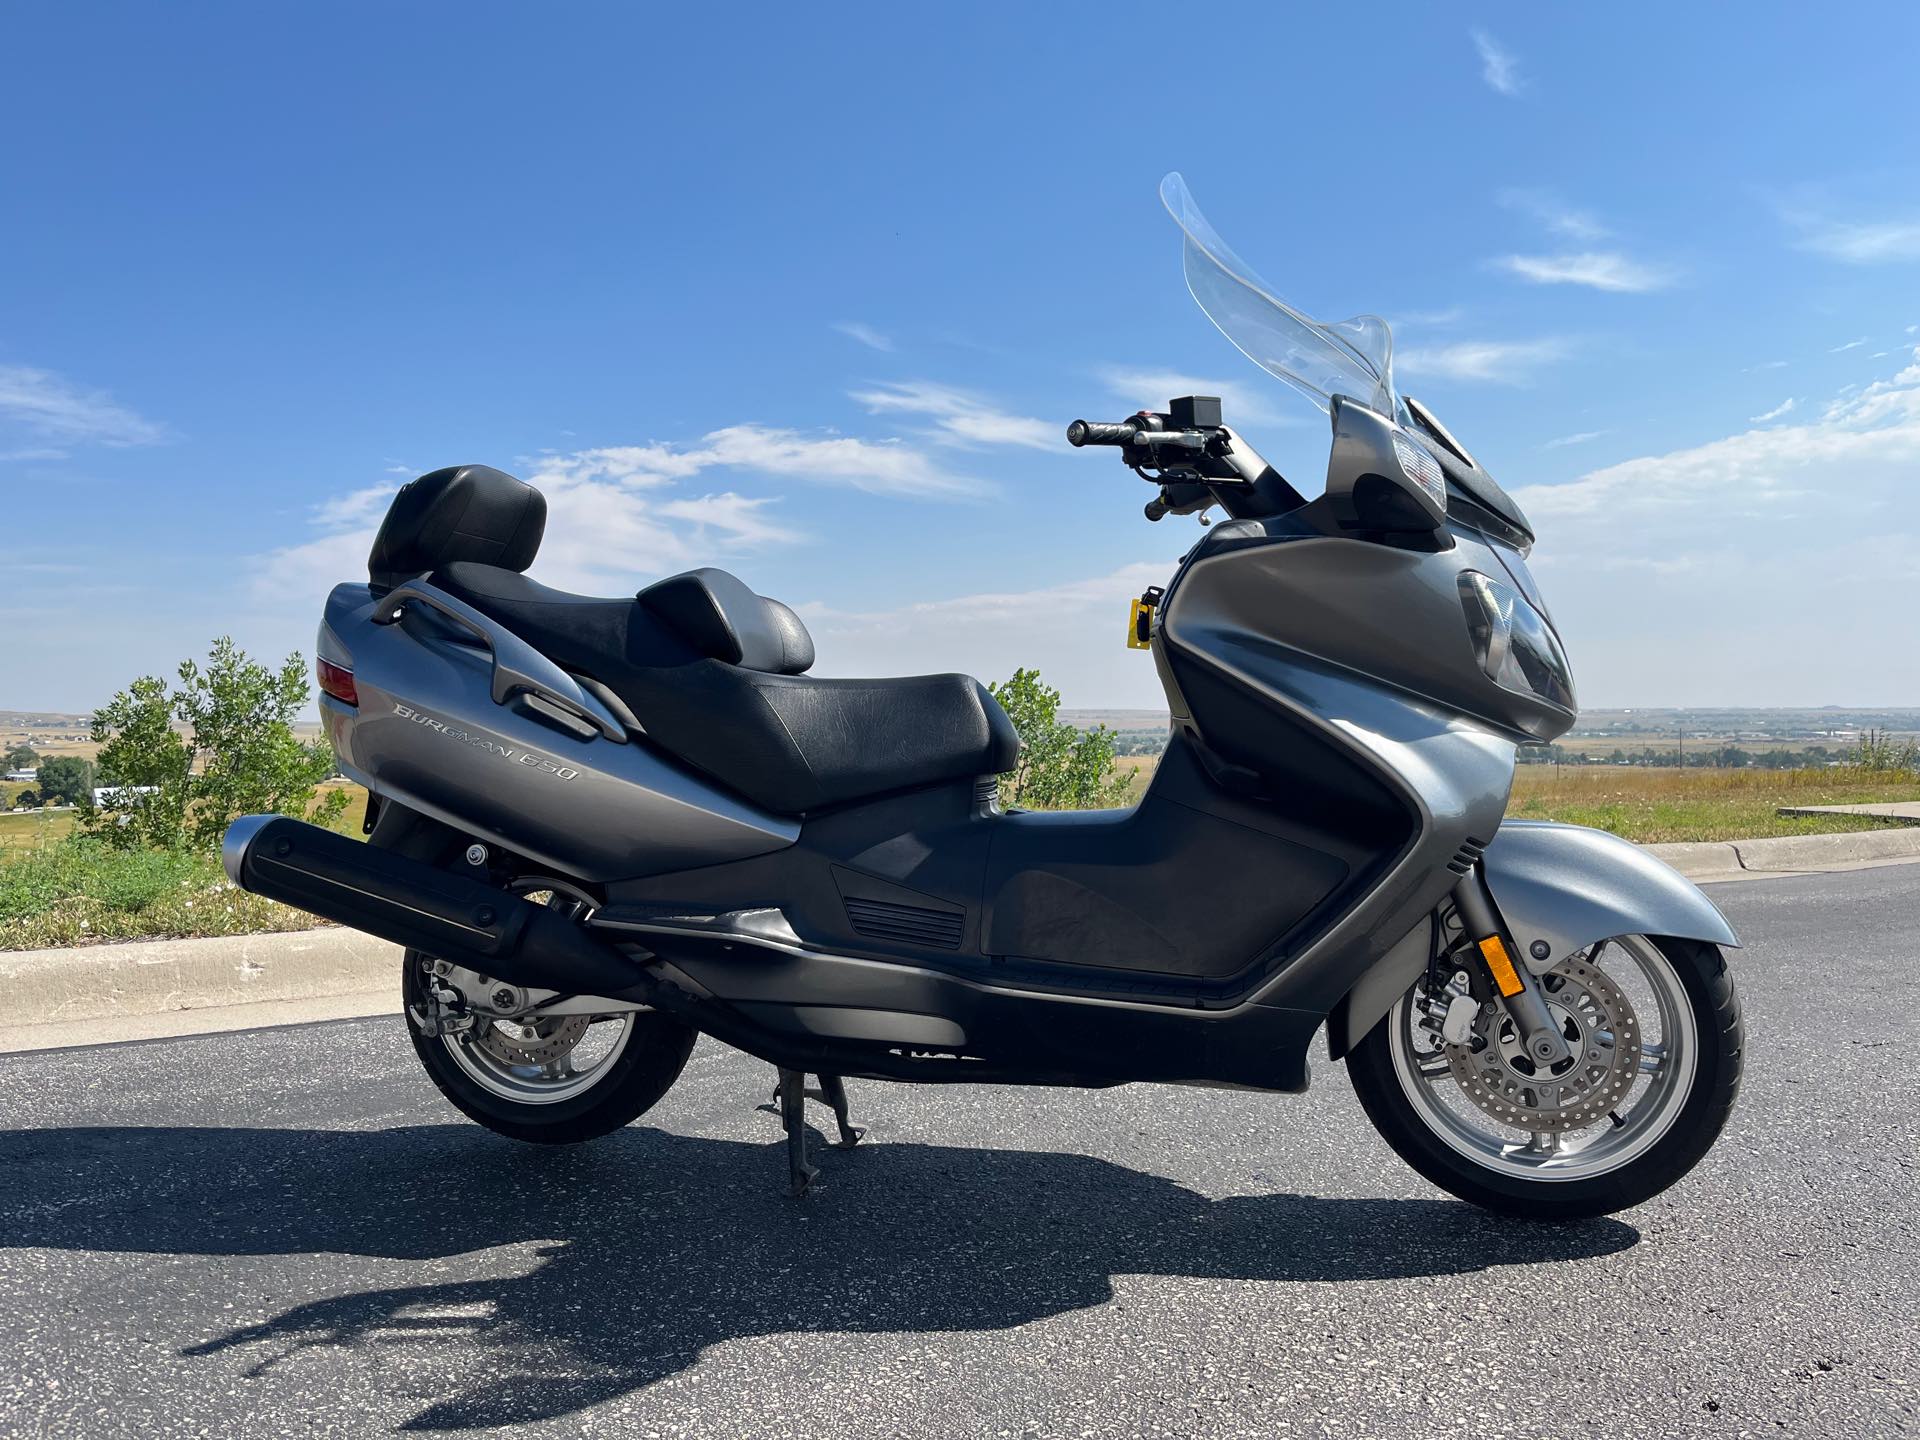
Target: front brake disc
(1602, 1033)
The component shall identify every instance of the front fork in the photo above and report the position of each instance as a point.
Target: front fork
(1517, 989)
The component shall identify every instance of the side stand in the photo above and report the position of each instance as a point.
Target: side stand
(792, 1096)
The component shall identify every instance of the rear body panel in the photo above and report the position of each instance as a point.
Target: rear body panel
(427, 733)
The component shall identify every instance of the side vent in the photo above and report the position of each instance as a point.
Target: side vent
(908, 924)
(1467, 856)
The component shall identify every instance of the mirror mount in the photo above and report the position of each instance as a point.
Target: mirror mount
(1379, 478)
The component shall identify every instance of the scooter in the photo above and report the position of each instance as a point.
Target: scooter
(601, 827)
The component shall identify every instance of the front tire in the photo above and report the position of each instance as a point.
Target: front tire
(1451, 1114)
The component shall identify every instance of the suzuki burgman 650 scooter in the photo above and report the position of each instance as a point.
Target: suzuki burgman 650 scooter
(604, 826)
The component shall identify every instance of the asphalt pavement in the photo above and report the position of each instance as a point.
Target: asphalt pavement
(288, 1232)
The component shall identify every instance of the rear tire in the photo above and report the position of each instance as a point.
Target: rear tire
(626, 1085)
(1708, 1012)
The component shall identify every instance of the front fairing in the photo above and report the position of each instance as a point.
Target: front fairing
(1389, 614)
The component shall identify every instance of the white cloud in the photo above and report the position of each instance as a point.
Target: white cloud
(1073, 632)
(960, 417)
(1241, 404)
(1598, 269)
(1774, 566)
(1783, 408)
(44, 404)
(865, 334)
(1859, 242)
(602, 531)
(612, 517)
(356, 508)
(1498, 65)
(1438, 319)
(1555, 214)
(1764, 365)
(1501, 362)
(1756, 469)
(1850, 345)
(1579, 438)
(727, 519)
(879, 467)
(630, 465)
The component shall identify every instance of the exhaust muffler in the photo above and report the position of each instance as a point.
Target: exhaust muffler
(448, 916)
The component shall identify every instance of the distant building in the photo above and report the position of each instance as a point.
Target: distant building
(108, 794)
(27, 775)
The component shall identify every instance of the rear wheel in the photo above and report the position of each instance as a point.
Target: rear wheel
(549, 1079)
(1654, 1027)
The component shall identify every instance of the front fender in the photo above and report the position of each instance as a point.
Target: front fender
(1563, 886)
(1568, 886)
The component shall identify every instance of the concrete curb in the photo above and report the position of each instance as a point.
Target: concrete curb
(1706, 862)
(150, 977)
(1699, 859)
(1826, 852)
(104, 990)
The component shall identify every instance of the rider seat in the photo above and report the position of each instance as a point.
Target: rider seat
(713, 673)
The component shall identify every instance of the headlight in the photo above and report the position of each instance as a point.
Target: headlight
(1513, 642)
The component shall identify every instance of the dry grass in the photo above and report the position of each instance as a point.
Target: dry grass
(1648, 804)
(54, 894)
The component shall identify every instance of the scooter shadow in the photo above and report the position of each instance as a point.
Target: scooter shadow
(654, 1246)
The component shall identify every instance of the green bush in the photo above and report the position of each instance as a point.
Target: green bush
(186, 762)
(1060, 767)
(118, 879)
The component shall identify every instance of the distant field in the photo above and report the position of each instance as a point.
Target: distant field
(1649, 804)
(33, 829)
(27, 830)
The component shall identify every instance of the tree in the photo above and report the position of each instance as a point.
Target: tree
(238, 754)
(22, 757)
(1060, 767)
(66, 780)
(26, 800)
(150, 764)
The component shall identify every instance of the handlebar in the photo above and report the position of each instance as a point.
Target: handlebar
(1195, 460)
(1094, 432)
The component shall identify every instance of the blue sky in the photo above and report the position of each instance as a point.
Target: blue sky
(811, 294)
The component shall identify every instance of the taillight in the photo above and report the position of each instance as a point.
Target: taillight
(337, 681)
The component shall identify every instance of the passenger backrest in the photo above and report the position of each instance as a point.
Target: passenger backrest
(721, 618)
(465, 512)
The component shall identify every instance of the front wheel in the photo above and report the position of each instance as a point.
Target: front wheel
(1654, 1027)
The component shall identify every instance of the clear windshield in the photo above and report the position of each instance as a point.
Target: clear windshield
(1348, 357)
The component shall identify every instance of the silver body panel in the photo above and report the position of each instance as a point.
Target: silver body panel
(427, 732)
(1567, 886)
(1452, 773)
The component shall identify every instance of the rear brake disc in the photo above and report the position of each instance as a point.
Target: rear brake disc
(537, 1042)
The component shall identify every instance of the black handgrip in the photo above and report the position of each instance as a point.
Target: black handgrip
(1093, 432)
